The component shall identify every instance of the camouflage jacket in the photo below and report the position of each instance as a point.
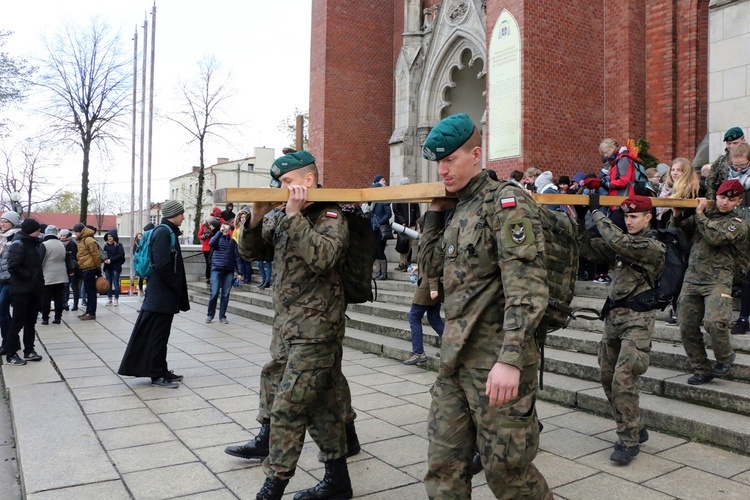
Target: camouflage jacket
(717, 239)
(720, 173)
(620, 249)
(494, 275)
(308, 256)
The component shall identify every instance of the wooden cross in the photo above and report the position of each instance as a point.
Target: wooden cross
(414, 193)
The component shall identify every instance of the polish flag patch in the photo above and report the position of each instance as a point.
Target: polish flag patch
(507, 202)
(332, 215)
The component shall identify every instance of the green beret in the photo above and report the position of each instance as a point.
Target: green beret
(733, 134)
(289, 162)
(447, 136)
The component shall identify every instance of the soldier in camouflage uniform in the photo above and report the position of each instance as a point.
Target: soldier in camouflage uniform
(720, 167)
(719, 247)
(494, 276)
(624, 351)
(308, 241)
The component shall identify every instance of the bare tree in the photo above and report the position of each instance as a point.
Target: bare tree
(201, 116)
(14, 75)
(104, 202)
(28, 178)
(88, 81)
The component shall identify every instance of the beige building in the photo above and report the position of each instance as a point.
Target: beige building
(253, 171)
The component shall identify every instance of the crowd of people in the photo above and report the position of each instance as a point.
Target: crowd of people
(41, 266)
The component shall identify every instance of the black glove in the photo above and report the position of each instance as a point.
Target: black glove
(581, 212)
(594, 202)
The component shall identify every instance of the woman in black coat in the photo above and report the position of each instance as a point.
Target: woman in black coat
(113, 265)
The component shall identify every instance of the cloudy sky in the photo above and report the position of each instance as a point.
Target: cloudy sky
(265, 46)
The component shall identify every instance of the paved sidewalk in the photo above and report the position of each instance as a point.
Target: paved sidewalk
(83, 432)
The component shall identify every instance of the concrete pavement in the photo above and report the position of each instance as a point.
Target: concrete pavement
(84, 432)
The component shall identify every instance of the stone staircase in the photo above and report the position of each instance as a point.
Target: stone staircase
(716, 413)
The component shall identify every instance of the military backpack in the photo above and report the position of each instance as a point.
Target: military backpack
(356, 274)
(561, 249)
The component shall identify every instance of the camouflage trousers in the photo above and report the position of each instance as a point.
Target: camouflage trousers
(712, 305)
(624, 354)
(306, 400)
(507, 438)
(270, 377)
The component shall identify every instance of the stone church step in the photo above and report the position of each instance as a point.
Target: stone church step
(721, 394)
(663, 354)
(684, 418)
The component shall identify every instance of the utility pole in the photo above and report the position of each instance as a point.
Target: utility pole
(151, 107)
(132, 156)
(143, 123)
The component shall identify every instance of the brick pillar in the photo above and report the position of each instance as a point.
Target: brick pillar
(625, 66)
(351, 90)
(661, 92)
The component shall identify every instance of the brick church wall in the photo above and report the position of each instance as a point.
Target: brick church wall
(351, 90)
(592, 69)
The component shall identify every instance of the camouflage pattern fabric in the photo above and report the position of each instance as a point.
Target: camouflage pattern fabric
(507, 438)
(717, 175)
(494, 275)
(718, 244)
(299, 385)
(306, 401)
(624, 351)
(712, 305)
(717, 239)
(270, 377)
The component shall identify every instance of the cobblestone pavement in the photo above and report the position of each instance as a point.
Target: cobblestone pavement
(84, 432)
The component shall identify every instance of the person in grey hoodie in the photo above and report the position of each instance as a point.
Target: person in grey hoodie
(52, 251)
(10, 224)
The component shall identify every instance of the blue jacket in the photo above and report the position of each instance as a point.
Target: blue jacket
(381, 213)
(225, 255)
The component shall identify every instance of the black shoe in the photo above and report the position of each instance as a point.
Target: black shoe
(13, 359)
(163, 382)
(45, 322)
(623, 455)
(700, 379)
(171, 375)
(643, 436)
(74, 308)
(352, 441)
(273, 489)
(476, 464)
(335, 485)
(32, 356)
(740, 327)
(56, 321)
(721, 369)
(254, 449)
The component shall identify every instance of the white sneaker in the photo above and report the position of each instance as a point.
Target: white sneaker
(117, 303)
(109, 303)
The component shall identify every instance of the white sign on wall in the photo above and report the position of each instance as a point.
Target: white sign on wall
(505, 89)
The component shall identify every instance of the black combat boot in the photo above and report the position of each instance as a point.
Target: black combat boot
(273, 489)
(335, 485)
(352, 441)
(476, 464)
(624, 454)
(255, 448)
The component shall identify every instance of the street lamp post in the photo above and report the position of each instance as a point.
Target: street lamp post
(15, 202)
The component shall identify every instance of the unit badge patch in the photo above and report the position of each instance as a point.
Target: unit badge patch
(517, 232)
(332, 215)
